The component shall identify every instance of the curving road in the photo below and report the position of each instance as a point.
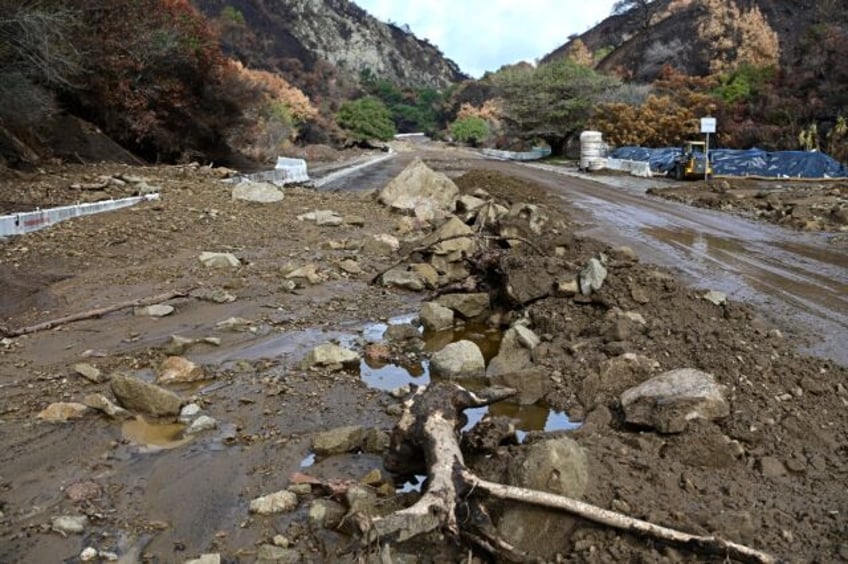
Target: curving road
(798, 280)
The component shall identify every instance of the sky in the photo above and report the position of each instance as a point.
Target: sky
(483, 35)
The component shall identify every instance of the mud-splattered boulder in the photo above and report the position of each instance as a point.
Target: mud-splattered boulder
(140, 396)
(669, 401)
(558, 466)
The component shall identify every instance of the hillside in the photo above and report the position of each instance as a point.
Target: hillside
(298, 35)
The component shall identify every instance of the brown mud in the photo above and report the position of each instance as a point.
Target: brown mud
(772, 474)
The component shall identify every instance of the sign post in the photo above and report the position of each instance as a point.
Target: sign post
(708, 125)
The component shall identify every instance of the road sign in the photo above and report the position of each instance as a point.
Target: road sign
(708, 125)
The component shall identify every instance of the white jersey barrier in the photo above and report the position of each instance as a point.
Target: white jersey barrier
(287, 171)
(635, 168)
(20, 223)
(533, 155)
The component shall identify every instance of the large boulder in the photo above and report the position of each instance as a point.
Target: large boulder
(462, 359)
(669, 401)
(421, 190)
(140, 396)
(557, 466)
(436, 317)
(260, 192)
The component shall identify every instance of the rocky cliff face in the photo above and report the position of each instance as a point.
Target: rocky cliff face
(333, 31)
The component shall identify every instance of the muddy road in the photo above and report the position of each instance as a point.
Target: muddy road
(797, 280)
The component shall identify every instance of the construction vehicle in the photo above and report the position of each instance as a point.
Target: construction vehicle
(692, 163)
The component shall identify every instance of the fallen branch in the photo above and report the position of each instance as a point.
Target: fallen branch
(94, 313)
(454, 499)
(423, 248)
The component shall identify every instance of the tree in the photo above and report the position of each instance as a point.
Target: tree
(644, 9)
(472, 130)
(737, 37)
(551, 102)
(365, 119)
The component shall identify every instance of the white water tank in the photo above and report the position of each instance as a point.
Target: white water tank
(592, 150)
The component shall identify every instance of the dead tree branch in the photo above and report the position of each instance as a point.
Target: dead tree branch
(453, 501)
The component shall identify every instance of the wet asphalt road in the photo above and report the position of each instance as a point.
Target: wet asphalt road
(797, 280)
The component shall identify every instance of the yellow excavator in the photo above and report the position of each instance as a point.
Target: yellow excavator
(692, 163)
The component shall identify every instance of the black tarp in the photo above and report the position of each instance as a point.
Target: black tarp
(744, 162)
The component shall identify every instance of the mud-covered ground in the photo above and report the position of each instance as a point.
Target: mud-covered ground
(772, 474)
(801, 205)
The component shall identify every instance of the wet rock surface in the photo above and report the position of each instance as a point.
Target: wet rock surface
(771, 472)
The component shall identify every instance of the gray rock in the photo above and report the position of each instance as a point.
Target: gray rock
(592, 277)
(189, 412)
(271, 554)
(448, 271)
(201, 424)
(326, 513)
(453, 227)
(88, 372)
(558, 466)
(462, 359)
(350, 266)
(362, 499)
(103, 404)
(282, 501)
(418, 186)
(402, 277)
(307, 272)
(339, 440)
(669, 401)
(177, 345)
(69, 524)
(330, 354)
(714, 297)
(399, 332)
(215, 295)
(512, 356)
(532, 384)
(468, 306)
(527, 337)
(205, 559)
(157, 310)
(436, 317)
(62, 412)
(179, 370)
(532, 213)
(219, 260)
(140, 396)
(382, 244)
(260, 192)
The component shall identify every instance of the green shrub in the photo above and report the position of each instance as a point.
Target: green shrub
(472, 130)
(366, 118)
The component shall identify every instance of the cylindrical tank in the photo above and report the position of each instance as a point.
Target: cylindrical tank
(592, 149)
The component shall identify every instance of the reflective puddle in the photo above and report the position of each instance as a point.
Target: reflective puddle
(154, 436)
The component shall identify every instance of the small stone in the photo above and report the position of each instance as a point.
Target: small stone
(279, 502)
(202, 423)
(189, 412)
(205, 559)
(330, 354)
(270, 554)
(69, 524)
(179, 370)
(158, 310)
(88, 554)
(567, 288)
(219, 260)
(714, 297)
(280, 540)
(233, 323)
(88, 372)
(326, 513)
(592, 277)
(350, 266)
(339, 440)
(83, 491)
(62, 412)
(177, 345)
(105, 405)
(771, 467)
(436, 317)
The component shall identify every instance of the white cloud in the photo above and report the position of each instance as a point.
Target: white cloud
(483, 35)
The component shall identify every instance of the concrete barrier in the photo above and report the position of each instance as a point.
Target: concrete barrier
(27, 222)
(287, 171)
(635, 168)
(533, 155)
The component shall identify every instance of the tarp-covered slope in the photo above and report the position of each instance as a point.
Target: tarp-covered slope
(747, 162)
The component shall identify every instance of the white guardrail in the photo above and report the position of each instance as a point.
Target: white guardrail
(27, 222)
